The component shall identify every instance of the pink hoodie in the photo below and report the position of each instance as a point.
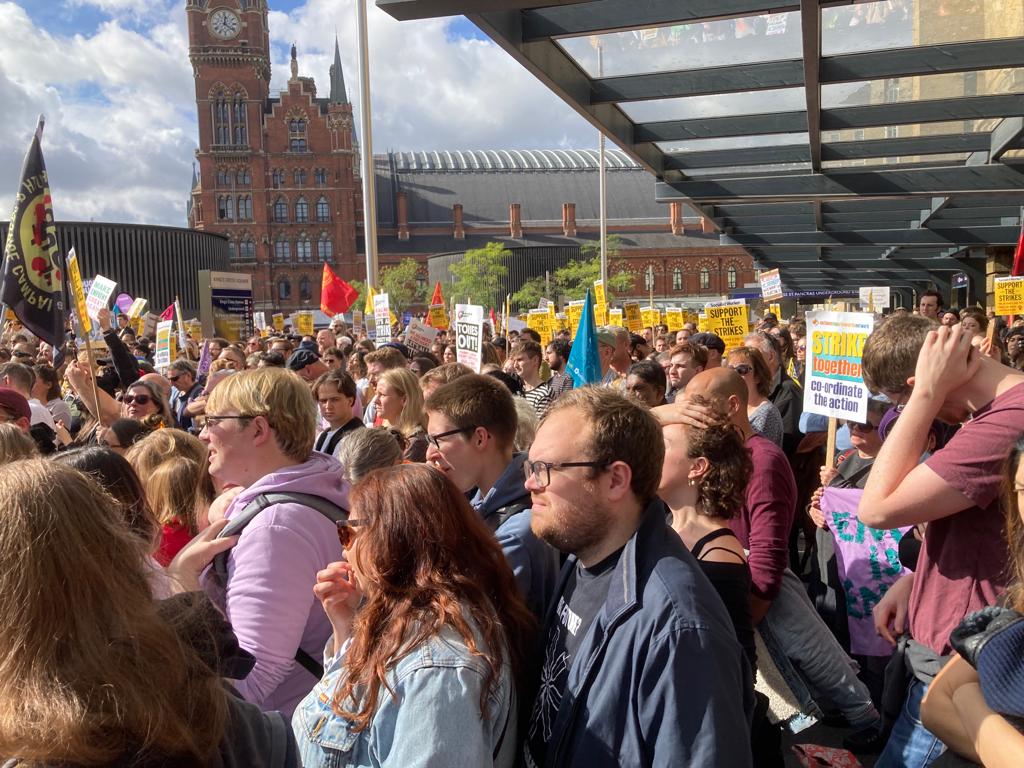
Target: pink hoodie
(271, 572)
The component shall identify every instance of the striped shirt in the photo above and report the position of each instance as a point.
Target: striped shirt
(539, 397)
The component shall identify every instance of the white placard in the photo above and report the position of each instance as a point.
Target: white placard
(100, 291)
(419, 336)
(469, 335)
(835, 345)
(875, 298)
(382, 318)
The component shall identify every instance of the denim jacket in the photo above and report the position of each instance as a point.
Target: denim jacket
(431, 719)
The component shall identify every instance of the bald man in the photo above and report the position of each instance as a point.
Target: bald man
(160, 381)
(763, 528)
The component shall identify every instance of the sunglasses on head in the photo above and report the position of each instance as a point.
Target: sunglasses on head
(137, 399)
(742, 369)
(347, 532)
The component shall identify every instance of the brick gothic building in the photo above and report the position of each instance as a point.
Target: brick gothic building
(279, 176)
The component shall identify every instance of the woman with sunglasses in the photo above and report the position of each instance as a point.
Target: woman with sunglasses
(765, 418)
(430, 634)
(145, 402)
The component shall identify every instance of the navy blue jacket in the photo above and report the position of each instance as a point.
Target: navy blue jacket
(659, 679)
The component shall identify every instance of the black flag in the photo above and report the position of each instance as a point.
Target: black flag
(33, 277)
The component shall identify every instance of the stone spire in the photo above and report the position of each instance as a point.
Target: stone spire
(295, 63)
(338, 93)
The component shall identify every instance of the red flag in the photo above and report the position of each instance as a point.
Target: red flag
(336, 296)
(1018, 256)
(168, 314)
(435, 300)
(494, 322)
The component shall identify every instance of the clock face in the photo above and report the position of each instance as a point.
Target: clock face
(224, 24)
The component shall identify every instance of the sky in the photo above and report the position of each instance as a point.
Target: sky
(112, 78)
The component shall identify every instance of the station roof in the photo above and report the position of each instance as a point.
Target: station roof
(835, 139)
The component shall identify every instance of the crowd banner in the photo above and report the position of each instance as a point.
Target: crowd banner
(771, 285)
(419, 336)
(875, 299)
(100, 291)
(164, 345)
(382, 318)
(674, 318)
(469, 335)
(615, 317)
(727, 319)
(634, 317)
(226, 304)
(278, 320)
(1009, 295)
(540, 321)
(573, 313)
(835, 387)
(304, 322)
(78, 294)
(868, 561)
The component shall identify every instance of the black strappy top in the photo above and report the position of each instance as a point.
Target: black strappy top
(732, 582)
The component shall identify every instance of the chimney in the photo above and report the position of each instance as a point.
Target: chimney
(515, 221)
(675, 218)
(705, 226)
(403, 216)
(460, 232)
(569, 219)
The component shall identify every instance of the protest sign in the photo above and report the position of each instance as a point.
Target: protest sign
(1009, 295)
(357, 323)
(515, 324)
(304, 322)
(562, 321)
(137, 308)
(868, 562)
(573, 313)
(78, 294)
(469, 334)
(540, 321)
(181, 324)
(727, 319)
(100, 291)
(149, 325)
(674, 318)
(600, 314)
(599, 295)
(634, 317)
(278, 319)
(875, 299)
(835, 344)
(382, 318)
(776, 309)
(438, 316)
(419, 336)
(552, 321)
(615, 317)
(651, 317)
(259, 319)
(164, 345)
(771, 285)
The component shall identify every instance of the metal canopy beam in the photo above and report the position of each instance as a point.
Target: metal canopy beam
(847, 183)
(407, 10)
(923, 60)
(874, 115)
(810, 43)
(690, 82)
(1006, 136)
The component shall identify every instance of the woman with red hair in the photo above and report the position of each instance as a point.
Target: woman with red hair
(430, 633)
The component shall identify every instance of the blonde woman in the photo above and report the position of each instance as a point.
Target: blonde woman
(400, 403)
(15, 444)
(116, 678)
(172, 466)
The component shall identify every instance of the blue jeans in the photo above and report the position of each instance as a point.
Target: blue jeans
(910, 744)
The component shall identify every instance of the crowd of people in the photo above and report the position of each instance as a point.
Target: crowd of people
(323, 551)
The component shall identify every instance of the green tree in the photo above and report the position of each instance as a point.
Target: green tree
(529, 295)
(479, 275)
(402, 285)
(360, 287)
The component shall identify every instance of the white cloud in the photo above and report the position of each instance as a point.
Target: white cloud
(121, 119)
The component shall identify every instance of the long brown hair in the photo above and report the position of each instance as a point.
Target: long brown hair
(434, 562)
(90, 674)
(1014, 526)
(172, 466)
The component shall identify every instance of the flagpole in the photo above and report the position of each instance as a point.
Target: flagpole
(369, 179)
(602, 181)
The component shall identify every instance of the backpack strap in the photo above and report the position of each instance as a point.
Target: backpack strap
(502, 514)
(325, 507)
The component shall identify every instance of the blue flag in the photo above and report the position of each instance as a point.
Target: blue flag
(584, 361)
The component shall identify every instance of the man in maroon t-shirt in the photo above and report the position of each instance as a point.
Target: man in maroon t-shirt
(937, 373)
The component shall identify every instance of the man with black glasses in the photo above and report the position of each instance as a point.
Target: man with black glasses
(471, 426)
(641, 665)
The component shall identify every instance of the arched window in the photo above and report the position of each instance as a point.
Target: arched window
(677, 279)
(705, 279)
(303, 249)
(280, 210)
(243, 178)
(223, 178)
(304, 293)
(730, 276)
(244, 208)
(323, 210)
(226, 208)
(232, 250)
(297, 135)
(325, 248)
(221, 119)
(282, 250)
(247, 250)
(320, 177)
(284, 289)
(239, 121)
(301, 210)
(278, 178)
(299, 176)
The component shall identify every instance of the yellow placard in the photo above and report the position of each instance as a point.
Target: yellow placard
(304, 323)
(552, 317)
(600, 315)
(562, 322)
(1009, 295)
(540, 321)
(729, 322)
(278, 319)
(634, 317)
(674, 319)
(137, 308)
(776, 309)
(651, 316)
(599, 294)
(573, 314)
(615, 317)
(78, 291)
(438, 316)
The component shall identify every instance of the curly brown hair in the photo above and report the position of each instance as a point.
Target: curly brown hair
(723, 487)
(1014, 526)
